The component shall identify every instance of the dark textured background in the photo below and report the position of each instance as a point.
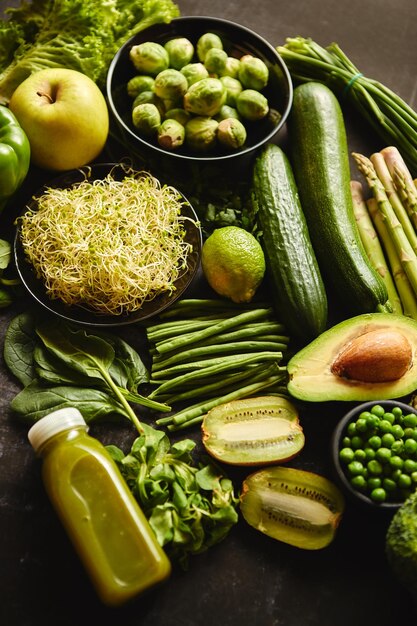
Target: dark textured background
(248, 579)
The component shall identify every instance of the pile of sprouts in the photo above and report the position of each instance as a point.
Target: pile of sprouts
(107, 245)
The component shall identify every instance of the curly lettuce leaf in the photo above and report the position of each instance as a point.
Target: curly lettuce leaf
(83, 35)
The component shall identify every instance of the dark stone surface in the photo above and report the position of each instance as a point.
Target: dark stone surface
(248, 579)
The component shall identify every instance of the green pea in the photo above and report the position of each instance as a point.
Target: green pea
(355, 468)
(409, 466)
(360, 455)
(414, 477)
(397, 446)
(373, 483)
(378, 495)
(397, 411)
(396, 462)
(389, 484)
(358, 482)
(397, 431)
(404, 481)
(410, 446)
(370, 453)
(389, 417)
(410, 420)
(383, 454)
(374, 442)
(408, 433)
(361, 425)
(385, 426)
(372, 422)
(351, 429)
(374, 467)
(378, 410)
(387, 440)
(346, 442)
(396, 473)
(346, 455)
(357, 442)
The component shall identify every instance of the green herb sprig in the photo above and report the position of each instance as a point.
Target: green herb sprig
(190, 507)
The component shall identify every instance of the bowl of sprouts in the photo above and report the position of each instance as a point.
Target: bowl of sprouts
(107, 245)
(198, 90)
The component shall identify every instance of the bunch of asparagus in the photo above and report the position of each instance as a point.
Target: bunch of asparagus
(387, 223)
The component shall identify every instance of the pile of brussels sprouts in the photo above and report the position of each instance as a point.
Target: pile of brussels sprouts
(199, 97)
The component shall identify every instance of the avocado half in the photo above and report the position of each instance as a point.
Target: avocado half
(314, 377)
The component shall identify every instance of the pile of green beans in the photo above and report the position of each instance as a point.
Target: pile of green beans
(379, 453)
(206, 352)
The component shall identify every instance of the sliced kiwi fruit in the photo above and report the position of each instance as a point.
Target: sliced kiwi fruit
(294, 506)
(254, 431)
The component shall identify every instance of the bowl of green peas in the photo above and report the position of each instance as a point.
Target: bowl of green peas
(374, 452)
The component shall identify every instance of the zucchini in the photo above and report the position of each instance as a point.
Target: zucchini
(297, 287)
(320, 160)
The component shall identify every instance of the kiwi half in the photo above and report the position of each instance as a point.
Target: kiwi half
(297, 507)
(254, 431)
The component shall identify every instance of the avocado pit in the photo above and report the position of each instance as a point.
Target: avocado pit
(380, 355)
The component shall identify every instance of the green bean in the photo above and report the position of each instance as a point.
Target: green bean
(196, 375)
(196, 306)
(226, 349)
(231, 322)
(256, 374)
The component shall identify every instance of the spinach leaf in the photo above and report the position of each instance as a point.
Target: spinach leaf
(35, 401)
(19, 345)
(5, 254)
(127, 369)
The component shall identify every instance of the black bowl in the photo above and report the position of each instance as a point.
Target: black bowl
(81, 315)
(340, 432)
(238, 40)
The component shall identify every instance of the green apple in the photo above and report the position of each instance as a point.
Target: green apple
(65, 116)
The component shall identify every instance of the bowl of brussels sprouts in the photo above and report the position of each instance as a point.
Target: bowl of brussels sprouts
(374, 453)
(199, 89)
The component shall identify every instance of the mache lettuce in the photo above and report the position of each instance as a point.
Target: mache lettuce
(83, 35)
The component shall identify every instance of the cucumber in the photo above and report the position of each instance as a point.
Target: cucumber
(298, 290)
(320, 160)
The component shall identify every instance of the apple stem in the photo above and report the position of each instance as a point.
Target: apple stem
(42, 94)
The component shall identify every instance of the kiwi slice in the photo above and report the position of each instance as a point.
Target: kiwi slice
(297, 507)
(254, 431)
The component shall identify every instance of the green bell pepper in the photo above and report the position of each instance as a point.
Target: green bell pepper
(14, 155)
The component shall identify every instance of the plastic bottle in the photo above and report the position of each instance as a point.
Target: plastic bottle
(101, 516)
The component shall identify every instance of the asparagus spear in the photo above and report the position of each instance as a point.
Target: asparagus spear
(372, 245)
(404, 289)
(402, 180)
(384, 175)
(404, 249)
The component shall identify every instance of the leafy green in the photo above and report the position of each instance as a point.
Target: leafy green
(83, 35)
(189, 507)
(61, 365)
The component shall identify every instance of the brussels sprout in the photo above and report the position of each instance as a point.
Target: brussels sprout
(139, 83)
(252, 105)
(170, 84)
(233, 88)
(232, 67)
(231, 133)
(227, 111)
(146, 118)
(194, 72)
(205, 43)
(148, 97)
(171, 134)
(205, 97)
(149, 58)
(253, 72)
(201, 133)
(180, 51)
(178, 114)
(215, 60)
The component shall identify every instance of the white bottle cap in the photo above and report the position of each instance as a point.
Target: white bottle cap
(54, 423)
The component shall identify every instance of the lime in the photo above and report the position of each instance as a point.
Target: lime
(233, 263)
